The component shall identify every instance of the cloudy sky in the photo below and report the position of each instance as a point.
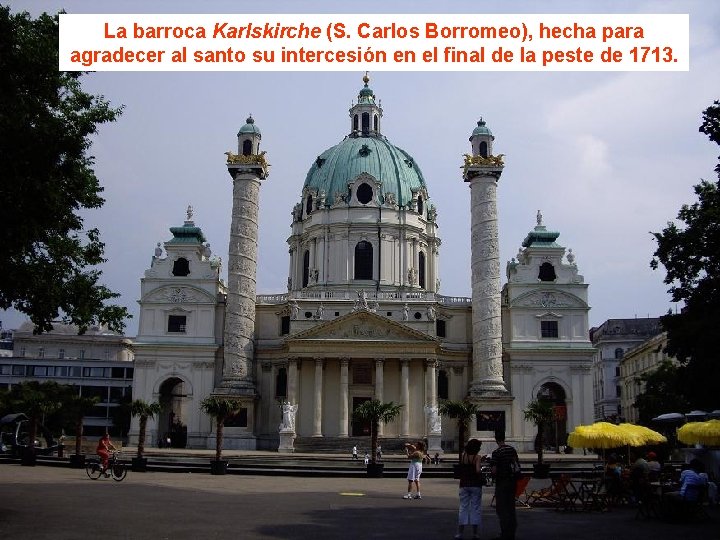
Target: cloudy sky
(607, 157)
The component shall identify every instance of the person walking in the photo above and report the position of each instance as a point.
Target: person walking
(504, 461)
(354, 452)
(416, 454)
(470, 493)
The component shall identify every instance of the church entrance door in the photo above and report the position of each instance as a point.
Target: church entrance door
(359, 428)
(172, 432)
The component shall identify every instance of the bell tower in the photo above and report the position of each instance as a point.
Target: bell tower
(366, 114)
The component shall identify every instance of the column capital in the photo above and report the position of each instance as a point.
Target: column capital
(431, 362)
(379, 361)
(344, 361)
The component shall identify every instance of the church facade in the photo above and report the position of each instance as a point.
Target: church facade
(362, 317)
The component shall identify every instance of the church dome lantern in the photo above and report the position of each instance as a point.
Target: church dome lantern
(481, 140)
(249, 137)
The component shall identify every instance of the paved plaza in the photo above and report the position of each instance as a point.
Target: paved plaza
(60, 503)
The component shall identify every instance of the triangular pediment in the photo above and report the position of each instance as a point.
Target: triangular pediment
(361, 325)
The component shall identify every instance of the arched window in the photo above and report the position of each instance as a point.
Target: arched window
(306, 269)
(421, 270)
(355, 122)
(547, 272)
(619, 353)
(363, 260)
(281, 383)
(375, 122)
(309, 205)
(181, 267)
(365, 122)
(247, 147)
(483, 149)
(442, 385)
(421, 206)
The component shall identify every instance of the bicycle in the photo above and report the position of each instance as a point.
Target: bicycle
(115, 467)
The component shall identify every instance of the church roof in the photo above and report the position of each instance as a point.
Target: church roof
(541, 237)
(339, 165)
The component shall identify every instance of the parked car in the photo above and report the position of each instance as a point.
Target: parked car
(14, 436)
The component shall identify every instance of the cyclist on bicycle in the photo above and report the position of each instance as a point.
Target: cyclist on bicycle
(103, 450)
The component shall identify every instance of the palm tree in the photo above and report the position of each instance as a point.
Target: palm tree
(143, 410)
(540, 412)
(462, 411)
(374, 412)
(220, 408)
(78, 407)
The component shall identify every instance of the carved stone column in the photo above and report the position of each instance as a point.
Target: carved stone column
(379, 382)
(242, 268)
(487, 375)
(344, 362)
(317, 401)
(292, 380)
(405, 397)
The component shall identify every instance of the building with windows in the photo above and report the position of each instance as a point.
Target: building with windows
(613, 339)
(363, 316)
(638, 361)
(99, 363)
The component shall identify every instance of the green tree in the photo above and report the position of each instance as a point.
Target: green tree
(36, 400)
(47, 182)
(375, 411)
(462, 411)
(143, 410)
(220, 408)
(690, 255)
(540, 412)
(663, 393)
(78, 407)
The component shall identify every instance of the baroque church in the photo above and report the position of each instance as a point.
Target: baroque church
(362, 316)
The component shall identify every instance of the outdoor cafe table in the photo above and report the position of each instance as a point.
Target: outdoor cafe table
(582, 494)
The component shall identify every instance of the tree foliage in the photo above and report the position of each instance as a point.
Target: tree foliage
(462, 411)
(690, 254)
(375, 411)
(663, 393)
(540, 412)
(143, 410)
(220, 408)
(49, 261)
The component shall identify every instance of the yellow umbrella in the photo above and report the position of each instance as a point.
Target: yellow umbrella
(641, 435)
(707, 433)
(598, 435)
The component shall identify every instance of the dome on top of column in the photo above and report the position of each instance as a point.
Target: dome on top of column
(250, 127)
(366, 150)
(481, 129)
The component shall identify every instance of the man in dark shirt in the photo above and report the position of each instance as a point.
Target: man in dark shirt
(504, 462)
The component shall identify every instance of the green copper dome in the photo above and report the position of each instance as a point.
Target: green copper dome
(249, 127)
(338, 166)
(481, 129)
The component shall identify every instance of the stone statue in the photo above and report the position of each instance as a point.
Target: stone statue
(405, 313)
(189, 212)
(376, 307)
(538, 218)
(432, 213)
(362, 299)
(433, 416)
(288, 416)
(319, 312)
(431, 312)
(207, 251)
(158, 250)
(294, 310)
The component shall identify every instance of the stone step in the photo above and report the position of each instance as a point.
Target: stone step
(344, 445)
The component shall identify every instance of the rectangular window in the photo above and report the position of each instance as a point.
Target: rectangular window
(618, 391)
(285, 325)
(440, 328)
(39, 371)
(22, 352)
(549, 329)
(75, 371)
(176, 323)
(61, 353)
(129, 373)
(100, 392)
(5, 369)
(118, 373)
(107, 354)
(41, 352)
(61, 371)
(617, 371)
(361, 374)
(116, 394)
(18, 370)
